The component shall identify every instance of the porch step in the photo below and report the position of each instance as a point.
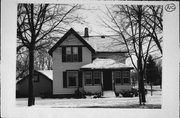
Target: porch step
(108, 94)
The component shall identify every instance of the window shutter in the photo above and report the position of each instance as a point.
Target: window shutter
(80, 54)
(80, 78)
(63, 54)
(64, 80)
(122, 79)
(92, 78)
(114, 77)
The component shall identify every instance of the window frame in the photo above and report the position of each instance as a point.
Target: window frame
(72, 56)
(86, 78)
(92, 78)
(77, 75)
(126, 77)
(96, 77)
(120, 77)
(68, 54)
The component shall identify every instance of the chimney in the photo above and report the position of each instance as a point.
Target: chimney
(86, 34)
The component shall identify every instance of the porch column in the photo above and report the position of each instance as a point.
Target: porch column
(102, 81)
(113, 82)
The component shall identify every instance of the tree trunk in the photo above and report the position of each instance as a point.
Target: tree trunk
(151, 89)
(139, 88)
(31, 98)
(140, 66)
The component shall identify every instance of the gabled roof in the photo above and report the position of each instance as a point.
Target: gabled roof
(71, 31)
(106, 64)
(47, 73)
(108, 43)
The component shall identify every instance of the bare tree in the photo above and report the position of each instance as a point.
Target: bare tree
(140, 27)
(36, 25)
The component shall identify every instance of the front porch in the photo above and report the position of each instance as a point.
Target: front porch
(105, 75)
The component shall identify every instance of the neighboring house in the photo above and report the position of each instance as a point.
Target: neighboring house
(90, 63)
(42, 84)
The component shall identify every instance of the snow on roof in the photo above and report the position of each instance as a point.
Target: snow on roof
(48, 73)
(109, 43)
(105, 64)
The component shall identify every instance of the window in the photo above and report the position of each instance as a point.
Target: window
(72, 77)
(71, 54)
(92, 78)
(125, 75)
(68, 54)
(97, 77)
(88, 77)
(117, 77)
(75, 54)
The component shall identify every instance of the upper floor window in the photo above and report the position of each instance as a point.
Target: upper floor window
(71, 54)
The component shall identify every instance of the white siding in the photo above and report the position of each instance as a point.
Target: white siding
(92, 89)
(59, 67)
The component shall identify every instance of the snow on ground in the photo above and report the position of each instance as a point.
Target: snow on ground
(114, 102)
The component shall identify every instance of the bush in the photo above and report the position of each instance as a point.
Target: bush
(132, 92)
(117, 94)
(79, 94)
(94, 95)
(135, 92)
(97, 95)
(127, 93)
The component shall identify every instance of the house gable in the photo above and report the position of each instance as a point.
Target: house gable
(70, 39)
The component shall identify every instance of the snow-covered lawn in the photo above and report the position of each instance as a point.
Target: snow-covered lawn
(152, 102)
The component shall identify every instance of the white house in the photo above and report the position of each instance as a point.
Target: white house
(90, 63)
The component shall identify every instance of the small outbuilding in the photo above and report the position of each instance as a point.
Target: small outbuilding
(42, 84)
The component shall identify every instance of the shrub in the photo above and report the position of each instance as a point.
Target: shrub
(135, 92)
(130, 93)
(117, 94)
(97, 95)
(79, 94)
(94, 95)
(127, 93)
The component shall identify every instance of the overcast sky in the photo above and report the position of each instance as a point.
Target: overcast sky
(92, 15)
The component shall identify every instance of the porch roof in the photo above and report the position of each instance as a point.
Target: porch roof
(106, 64)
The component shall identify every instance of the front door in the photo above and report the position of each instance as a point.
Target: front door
(107, 79)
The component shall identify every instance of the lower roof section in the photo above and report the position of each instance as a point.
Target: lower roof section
(105, 64)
